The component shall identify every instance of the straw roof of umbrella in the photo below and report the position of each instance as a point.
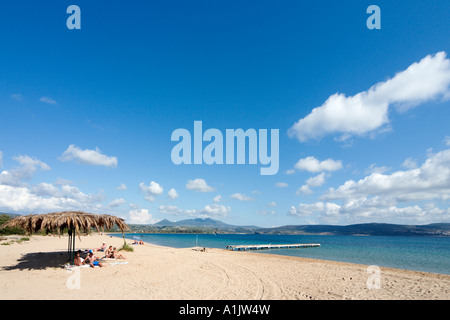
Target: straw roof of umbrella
(71, 220)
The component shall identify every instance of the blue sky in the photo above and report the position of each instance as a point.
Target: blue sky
(87, 115)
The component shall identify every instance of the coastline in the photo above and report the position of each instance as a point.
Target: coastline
(32, 270)
(398, 252)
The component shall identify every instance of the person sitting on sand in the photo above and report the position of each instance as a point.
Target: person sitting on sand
(93, 260)
(78, 261)
(102, 248)
(108, 252)
(141, 242)
(116, 255)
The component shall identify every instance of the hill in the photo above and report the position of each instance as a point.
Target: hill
(197, 225)
(209, 225)
(372, 229)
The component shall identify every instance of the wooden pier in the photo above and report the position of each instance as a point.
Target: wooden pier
(271, 246)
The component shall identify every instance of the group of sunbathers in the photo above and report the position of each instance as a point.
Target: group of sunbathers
(110, 253)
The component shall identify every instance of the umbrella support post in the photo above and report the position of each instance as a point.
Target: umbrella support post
(71, 245)
(73, 248)
(69, 242)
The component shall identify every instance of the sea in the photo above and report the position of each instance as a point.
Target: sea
(428, 254)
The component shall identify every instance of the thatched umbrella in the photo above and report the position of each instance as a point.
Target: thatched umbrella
(73, 221)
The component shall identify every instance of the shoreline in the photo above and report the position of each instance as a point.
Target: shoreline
(347, 259)
(32, 270)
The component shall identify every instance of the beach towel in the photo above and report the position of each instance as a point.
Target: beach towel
(70, 267)
(114, 263)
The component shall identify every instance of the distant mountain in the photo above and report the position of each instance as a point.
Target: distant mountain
(204, 223)
(380, 229)
(373, 229)
(12, 215)
(165, 223)
(209, 225)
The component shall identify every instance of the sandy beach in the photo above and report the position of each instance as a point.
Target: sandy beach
(33, 270)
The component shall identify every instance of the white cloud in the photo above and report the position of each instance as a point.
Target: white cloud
(217, 198)
(371, 209)
(122, 187)
(410, 163)
(172, 194)
(90, 157)
(272, 204)
(18, 199)
(46, 189)
(61, 182)
(241, 197)
(198, 185)
(31, 163)
(447, 141)
(368, 111)
(312, 182)
(386, 209)
(304, 210)
(117, 203)
(72, 192)
(281, 185)
(430, 181)
(152, 190)
(29, 166)
(168, 209)
(405, 196)
(47, 100)
(17, 196)
(212, 210)
(374, 169)
(215, 210)
(311, 164)
(45, 197)
(140, 216)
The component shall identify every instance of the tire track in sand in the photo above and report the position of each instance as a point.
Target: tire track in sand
(239, 282)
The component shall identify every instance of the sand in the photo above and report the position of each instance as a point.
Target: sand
(33, 270)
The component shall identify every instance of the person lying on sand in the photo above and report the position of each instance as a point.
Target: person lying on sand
(93, 260)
